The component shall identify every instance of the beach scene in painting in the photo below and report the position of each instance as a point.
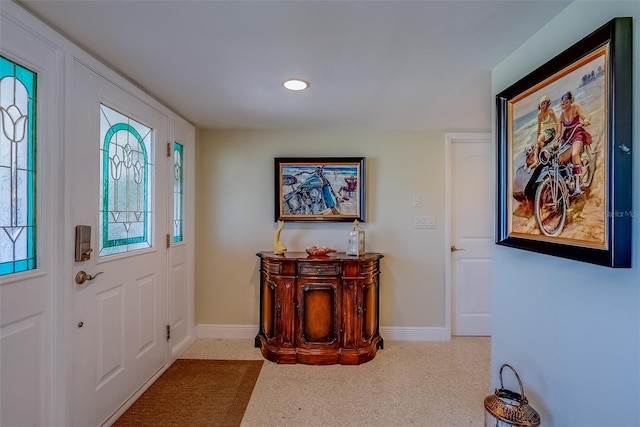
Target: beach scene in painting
(322, 189)
(584, 212)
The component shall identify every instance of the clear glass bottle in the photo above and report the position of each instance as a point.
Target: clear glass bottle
(355, 245)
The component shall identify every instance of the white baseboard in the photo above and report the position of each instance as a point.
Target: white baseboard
(227, 331)
(390, 333)
(181, 347)
(414, 333)
(130, 401)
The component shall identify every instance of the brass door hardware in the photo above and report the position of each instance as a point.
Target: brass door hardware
(82, 277)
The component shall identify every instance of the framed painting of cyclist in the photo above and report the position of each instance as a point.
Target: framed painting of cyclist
(319, 188)
(564, 153)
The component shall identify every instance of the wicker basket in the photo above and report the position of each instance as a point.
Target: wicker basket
(510, 407)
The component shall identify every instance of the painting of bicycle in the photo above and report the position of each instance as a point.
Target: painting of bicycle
(561, 148)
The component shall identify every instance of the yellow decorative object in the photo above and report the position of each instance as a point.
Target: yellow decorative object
(278, 247)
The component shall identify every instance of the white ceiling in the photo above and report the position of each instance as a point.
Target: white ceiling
(371, 64)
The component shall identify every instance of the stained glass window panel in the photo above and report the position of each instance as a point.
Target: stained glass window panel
(178, 204)
(17, 168)
(125, 195)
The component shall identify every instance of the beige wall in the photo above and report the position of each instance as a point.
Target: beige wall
(235, 218)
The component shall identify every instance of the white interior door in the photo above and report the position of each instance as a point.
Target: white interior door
(471, 234)
(119, 316)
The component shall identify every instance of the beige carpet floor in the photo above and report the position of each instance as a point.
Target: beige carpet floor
(431, 384)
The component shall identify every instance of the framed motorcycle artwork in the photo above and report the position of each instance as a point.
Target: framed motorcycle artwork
(319, 188)
(564, 136)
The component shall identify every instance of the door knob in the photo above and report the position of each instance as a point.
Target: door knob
(82, 277)
(454, 249)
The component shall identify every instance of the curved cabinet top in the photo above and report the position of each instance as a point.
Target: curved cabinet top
(332, 257)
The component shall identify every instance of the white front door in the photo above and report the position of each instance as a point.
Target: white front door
(181, 180)
(117, 153)
(471, 232)
(29, 219)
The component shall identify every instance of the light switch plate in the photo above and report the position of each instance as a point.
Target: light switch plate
(431, 222)
(424, 222)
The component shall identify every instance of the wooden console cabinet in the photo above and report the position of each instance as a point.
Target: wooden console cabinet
(319, 310)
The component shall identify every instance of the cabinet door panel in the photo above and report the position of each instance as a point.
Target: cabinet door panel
(369, 310)
(318, 315)
(269, 309)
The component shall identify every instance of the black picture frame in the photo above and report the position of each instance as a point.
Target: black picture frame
(319, 188)
(531, 195)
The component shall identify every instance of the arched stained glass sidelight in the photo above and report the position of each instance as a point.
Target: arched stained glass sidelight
(178, 195)
(126, 170)
(17, 168)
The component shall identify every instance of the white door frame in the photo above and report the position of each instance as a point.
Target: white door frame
(56, 242)
(449, 138)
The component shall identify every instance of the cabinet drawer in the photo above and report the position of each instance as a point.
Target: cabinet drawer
(319, 269)
(368, 268)
(272, 267)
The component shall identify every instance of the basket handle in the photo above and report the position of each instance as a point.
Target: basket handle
(505, 365)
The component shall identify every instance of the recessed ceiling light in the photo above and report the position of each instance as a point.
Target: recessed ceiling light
(296, 84)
